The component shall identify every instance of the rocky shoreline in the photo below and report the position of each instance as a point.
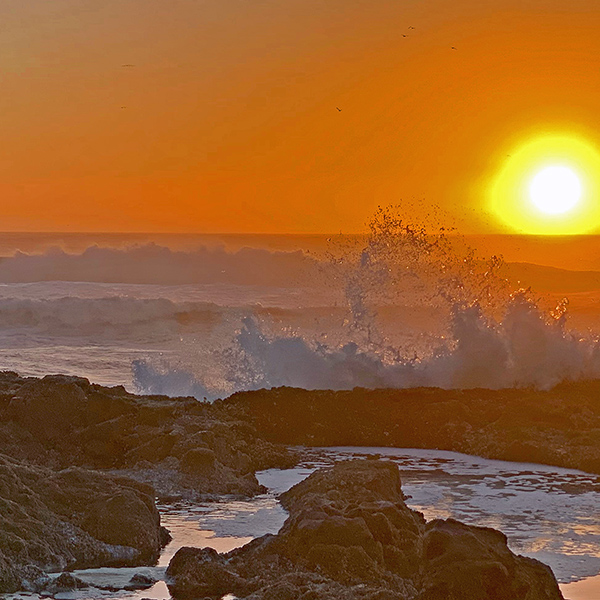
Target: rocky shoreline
(69, 519)
(559, 427)
(184, 448)
(82, 466)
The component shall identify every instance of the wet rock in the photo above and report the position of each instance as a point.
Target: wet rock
(198, 572)
(141, 581)
(560, 426)
(9, 576)
(65, 582)
(349, 535)
(186, 449)
(469, 563)
(199, 461)
(74, 518)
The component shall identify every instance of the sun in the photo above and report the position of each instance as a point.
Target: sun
(549, 186)
(555, 190)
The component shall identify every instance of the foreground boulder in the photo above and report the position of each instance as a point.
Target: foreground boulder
(350, 536)
(74, 518)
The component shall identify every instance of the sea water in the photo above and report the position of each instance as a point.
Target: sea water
(207, 320)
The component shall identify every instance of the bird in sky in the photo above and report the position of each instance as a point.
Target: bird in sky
(127, 66)
(339, 109)
(453, 48)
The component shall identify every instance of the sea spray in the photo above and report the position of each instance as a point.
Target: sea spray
(485, 334)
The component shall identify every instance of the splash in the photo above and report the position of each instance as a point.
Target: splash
(484, 334)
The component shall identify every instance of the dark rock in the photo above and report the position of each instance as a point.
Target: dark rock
(54, 520)
(10, 579)
(468, 563)
(560, 426)
(199, 461)
(350, 535)
(197, 572)
(165, 537)
(140, 581)
(65, 582)
(183, 447)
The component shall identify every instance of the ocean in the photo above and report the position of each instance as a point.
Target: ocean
(207, 315)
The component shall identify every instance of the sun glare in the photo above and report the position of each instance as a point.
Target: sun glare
(555, 190)
(549, 186)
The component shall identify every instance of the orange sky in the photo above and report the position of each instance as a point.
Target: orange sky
(231, 123)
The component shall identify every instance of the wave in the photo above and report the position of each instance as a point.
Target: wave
(523, 350)
(127, 319)
(405, 305)
(490, 335)
(154, 264)
(160, 265)
(107, 318)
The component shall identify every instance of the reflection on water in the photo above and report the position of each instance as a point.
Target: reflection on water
(548, 513)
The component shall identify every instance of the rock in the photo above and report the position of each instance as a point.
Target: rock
(184, 448)
(469, 563)
(350, 536)
(140, 581)
(52, 410)
(65, 582)
(165, 537)
(560, 426)
(74, 518)
(198, 572)
(200, 461)
(9, 576)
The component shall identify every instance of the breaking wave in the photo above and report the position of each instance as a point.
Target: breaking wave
(523, 350)
(154, 264)
(488, 335)
(105, 318)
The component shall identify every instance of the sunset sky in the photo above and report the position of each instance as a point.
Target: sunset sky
(228, 120)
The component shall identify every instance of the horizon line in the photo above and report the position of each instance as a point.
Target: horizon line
(290, 234)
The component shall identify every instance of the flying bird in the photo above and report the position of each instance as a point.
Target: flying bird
(339, 109)
(453, 48)
(125, 66)
(411, 27)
